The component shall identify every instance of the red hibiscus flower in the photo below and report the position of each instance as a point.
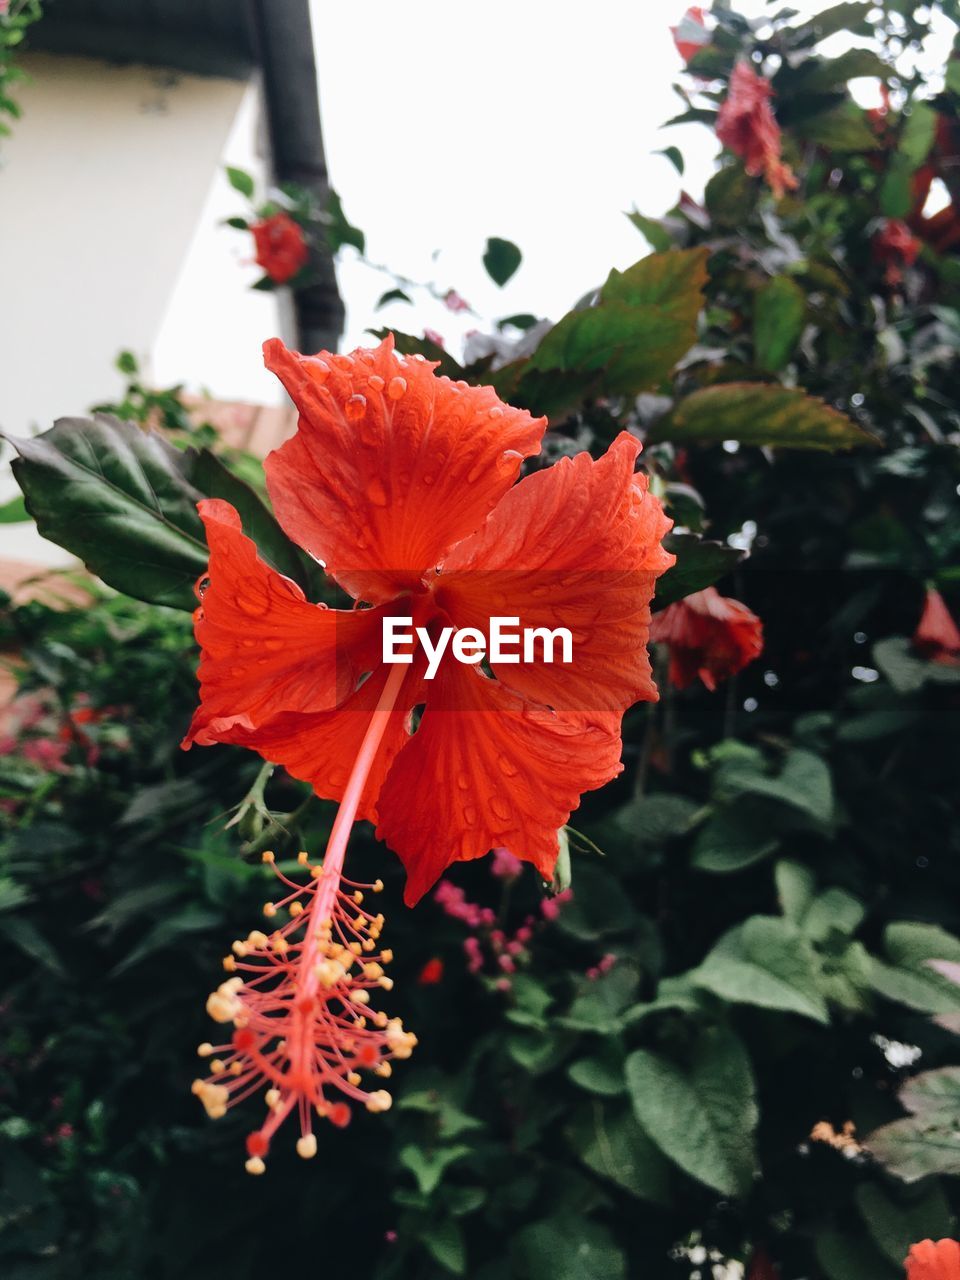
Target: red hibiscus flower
(402, 484)
(431, 973)
(746, 126)
(690, 34)
(281, 248)
(934, 1261)
(709, 636)
(937, 638)
(894, 246)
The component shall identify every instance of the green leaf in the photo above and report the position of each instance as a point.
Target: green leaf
(392, 295)
(765, 962)
(700, 563)
(524, 320)
(702, 1116)
(915, 1148)
(567, 1248)
(609, 1141)
(501, 259)
(907, 976)
(820, 75)
(118, 498)
(241, 181)
(599, 1006)
(14, 511)
(443, 1240)
(804, 783)
(238, 224)
(601, 1074)
(844, 1256)
(675, 156)
(841, 128)
(25, 936)
(795, 884)
(735, 837)
(339, 229)
(759, 413)
(207, 473)
(653, 231)
(896, 1224)
(851, 15)
(428, 1167)
(934, 1095)
(778, 315)
(406, 344)
(919, 130)
(643, 322)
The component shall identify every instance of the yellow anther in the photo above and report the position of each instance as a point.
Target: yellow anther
(272, 1098)
(358, 897)
(217, 1067)
(204, 1050)
(307, 1146)
(355, 947)
(379, 1101)
(255, 1165)
(267, 856)
(368, 944)
(213, 1096)
(380, 1019)
(316, 872)
(386, 984)
(223, 1004)
(256, 938)
(372, 970)
(230, 964)
(236, 1068)
(359, 922)
(239, 948)
(377, 886)
(269, 909)
(303, 858)
(386, 956)
(353, 1077)
(361, 997)
(384, 1070)
(296, 908)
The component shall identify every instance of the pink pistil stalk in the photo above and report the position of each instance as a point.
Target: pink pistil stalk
(299, 997)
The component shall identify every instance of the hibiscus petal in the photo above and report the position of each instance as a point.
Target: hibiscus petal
(576, 546)
(321, 748)
(264, 648)
(487, 769)
(391, 465)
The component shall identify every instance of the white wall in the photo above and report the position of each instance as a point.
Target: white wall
(109, 193)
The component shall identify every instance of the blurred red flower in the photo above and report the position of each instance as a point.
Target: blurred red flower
(747, 126)
(894, 246)
(431, 973)
(931, 1260)
(762, 1266)
(281, 248)
(690, 34)
(709, 636)
(937, 638)
(394, 472)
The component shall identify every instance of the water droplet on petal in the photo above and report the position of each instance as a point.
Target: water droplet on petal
(396, 387)
(376, 492)
(495, 412)
(429, 478)
(469, 815)
(252, 606)
(463, 782)
(355, 408)
(319, 369)
(507, 766)
(273, 644)
(248, 643)
(500, 809)
(376, 382)
(474, 474)
(342, 362)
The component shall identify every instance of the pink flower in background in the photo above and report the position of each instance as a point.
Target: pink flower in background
(431, 335)
(894, 246)
(937, 638)
(747, 126)
(506, 866)
(454, 302)
(604, 965)
(550, 908)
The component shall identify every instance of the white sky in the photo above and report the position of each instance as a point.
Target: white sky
(445, 124)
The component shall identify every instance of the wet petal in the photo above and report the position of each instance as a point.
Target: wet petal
(264, 648)
(391, 465)
(486, 769)
(576, 546)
